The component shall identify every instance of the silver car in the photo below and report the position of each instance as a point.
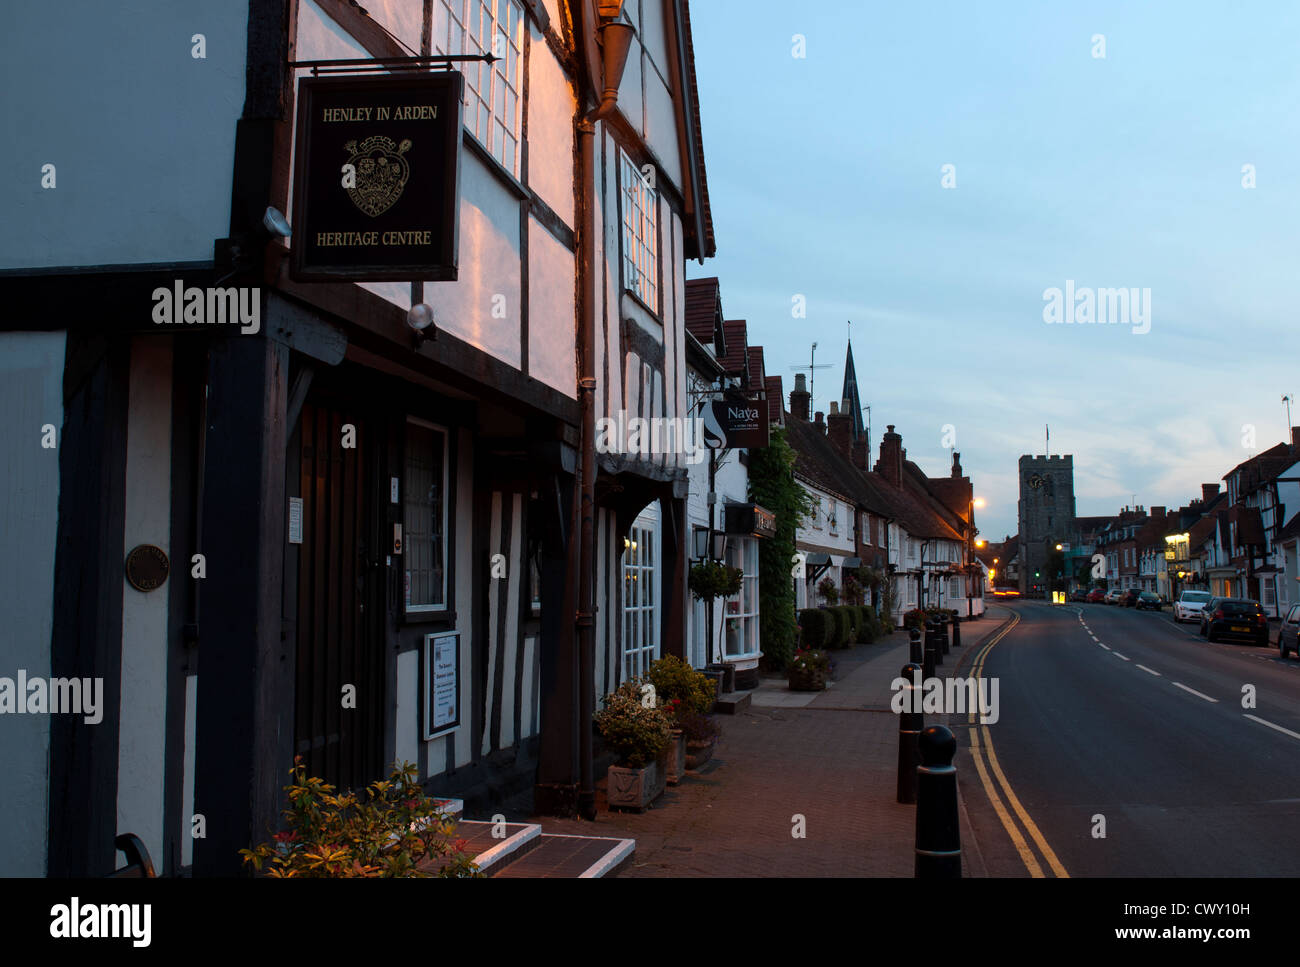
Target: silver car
(1189, 605)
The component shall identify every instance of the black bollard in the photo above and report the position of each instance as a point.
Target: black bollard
(938, 835)
(956, 632)
(909, 734)
(938, 643)
(943, 634)
(917, 654)
(930, 656)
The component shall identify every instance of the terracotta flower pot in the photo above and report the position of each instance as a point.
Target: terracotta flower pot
(699, 752)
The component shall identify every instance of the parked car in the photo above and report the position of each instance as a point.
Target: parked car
(1149, 601)
(1096, 596)
(1130, 598)
(1079, 594)
(1288, 635)
(1234, 618)
(1189, 604)
(1113, 596)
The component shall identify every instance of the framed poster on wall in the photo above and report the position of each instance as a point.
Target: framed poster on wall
(441, 683)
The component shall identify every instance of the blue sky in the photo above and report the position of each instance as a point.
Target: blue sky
(825, 180)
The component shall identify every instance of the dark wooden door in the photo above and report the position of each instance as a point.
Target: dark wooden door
(339, 730)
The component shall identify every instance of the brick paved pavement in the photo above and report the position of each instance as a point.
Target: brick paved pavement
(834, 761)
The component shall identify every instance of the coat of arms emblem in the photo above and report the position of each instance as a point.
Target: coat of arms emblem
(381, 173)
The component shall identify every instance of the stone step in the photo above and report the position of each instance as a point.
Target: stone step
(732, 703)
(489, 851)
(570, 857)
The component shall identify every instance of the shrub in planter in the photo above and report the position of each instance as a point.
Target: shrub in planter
(635, 732)
(852, 590)
(915, 619)
(387, 830)
(827, 588)
(809, 670)
(815, 626)
(677, 682)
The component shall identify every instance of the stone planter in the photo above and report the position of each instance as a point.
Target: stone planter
(807, 679)
(698, 753)
(634, 788)
(674, 760)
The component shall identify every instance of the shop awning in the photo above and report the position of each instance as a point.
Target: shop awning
(852, 562)
(816, 559)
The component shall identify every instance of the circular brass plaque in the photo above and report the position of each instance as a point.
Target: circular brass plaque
(147, 567)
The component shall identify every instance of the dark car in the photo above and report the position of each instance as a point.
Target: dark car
(1234, 618)
(1149, 601)
(1079, 594)
(1288, 635)
(1130, 598)
(1096, 596)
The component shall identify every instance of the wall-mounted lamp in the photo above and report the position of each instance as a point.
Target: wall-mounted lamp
(273, 221)
(420, 318)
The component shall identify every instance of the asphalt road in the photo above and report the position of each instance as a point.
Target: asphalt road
(1108, 712)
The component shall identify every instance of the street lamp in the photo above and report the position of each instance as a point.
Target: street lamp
(970, 538)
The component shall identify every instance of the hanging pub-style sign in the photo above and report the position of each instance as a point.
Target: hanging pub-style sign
(377, 178)
(737, 422)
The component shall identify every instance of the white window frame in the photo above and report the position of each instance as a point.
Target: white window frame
(641, 595)
(493, 116)
(742, 552)
(640, 205)
(406, 536)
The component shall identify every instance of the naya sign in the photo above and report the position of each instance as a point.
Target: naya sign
(377, 178)
(738, 422)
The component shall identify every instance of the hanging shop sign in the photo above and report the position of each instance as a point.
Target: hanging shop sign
(377, 178)
(736, 422)
(751, 520)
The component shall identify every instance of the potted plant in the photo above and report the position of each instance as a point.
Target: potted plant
(852, 590)
(682, 691)
(808, 670)
(701, 734)
(636, 730)
(713, 579)
(827, 589)
(391, 829)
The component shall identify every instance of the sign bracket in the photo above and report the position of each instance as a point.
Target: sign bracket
(358, 64)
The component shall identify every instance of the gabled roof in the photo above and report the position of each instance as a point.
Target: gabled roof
(704, 310)
(775, 394)
(819, 463)
(736, 359)
(1261, 468)
(1292, 529)
(757, 374)
(705, 247)
(1203, 530)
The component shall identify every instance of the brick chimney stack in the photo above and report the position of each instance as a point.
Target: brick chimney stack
(820, 422)
(799, 398)
(1295, 438)
(839, 428)
(1157, 513)
(1209, 492)
(890, 464)
(860, 456)
(956, 464)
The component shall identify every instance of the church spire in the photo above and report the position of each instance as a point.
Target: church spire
(857, 427)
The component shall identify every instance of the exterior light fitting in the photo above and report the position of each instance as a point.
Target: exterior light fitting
(273, 221)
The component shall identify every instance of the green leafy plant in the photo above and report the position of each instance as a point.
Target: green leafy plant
(828, 590)
(816, 628)
(813, 659)
(713, 579)
(772, 484)
(635, 731)
(852, 590)
(677, 682)
(697, 727)
(888, 605)
(386, 831)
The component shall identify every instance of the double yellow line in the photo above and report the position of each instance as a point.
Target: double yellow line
(981, 745)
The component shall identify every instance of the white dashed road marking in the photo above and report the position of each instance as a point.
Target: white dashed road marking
(1149, 671)
(1194, 692)
(1256, 718)
(1118, 655)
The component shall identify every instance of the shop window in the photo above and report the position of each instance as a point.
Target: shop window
(640, 602)
(424, 509)
(640, 234)
(492, 91)
(741, 611)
